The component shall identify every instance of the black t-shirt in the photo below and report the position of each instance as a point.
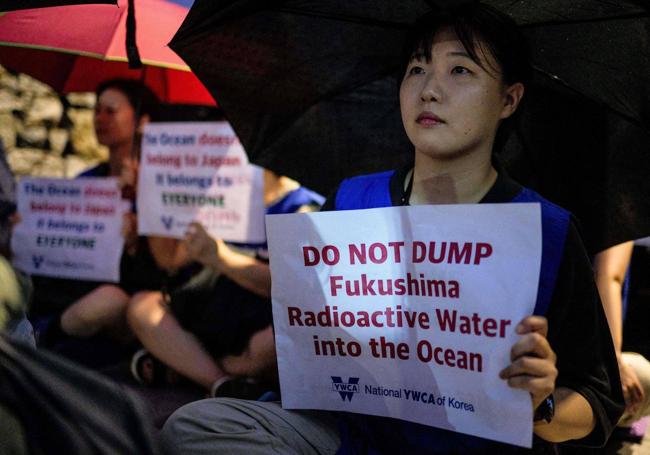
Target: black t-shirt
(578, 330)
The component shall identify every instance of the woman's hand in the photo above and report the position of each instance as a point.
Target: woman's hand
(14, 219)
(632, 389)
(128, 178)
(532, 366)
(130, 232)
(201, 247)
(129, 172)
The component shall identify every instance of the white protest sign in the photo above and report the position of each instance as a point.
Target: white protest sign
(407, 312)
(69, 228)
(199, 172)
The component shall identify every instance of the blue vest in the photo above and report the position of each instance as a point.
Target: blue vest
(290, 203)
(376, 435)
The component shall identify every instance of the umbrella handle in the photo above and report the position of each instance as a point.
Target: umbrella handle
(135, 145)
(131, 46)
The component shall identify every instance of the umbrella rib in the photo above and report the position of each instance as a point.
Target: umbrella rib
(53, 49)
(345, 18)
(568, 86)
(643, 15)
(402, 25)
(95, 55)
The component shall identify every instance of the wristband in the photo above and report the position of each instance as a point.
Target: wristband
(546, 410)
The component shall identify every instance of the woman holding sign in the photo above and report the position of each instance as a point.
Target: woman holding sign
(148, 263)
(464, 73)
(217, 324)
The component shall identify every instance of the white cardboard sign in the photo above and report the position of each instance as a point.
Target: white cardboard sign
(407, 312)
(198, 172)
(69, 228)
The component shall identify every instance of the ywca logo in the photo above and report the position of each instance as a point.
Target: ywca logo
(345, 389)
(37, 261)
(167, 221)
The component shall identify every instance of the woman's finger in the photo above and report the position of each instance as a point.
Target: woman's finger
(532, 344)
(533, 324)
(531, 366)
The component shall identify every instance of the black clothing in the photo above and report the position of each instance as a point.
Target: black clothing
(138, 272)
(219, 312)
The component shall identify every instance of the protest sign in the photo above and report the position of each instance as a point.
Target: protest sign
(199, 172)
(69, 228)
(407, 312)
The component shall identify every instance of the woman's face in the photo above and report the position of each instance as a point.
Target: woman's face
(451, 106)
(115, 120)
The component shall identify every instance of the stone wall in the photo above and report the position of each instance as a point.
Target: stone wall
(45, 134)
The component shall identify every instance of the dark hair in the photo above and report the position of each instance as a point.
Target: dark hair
(141, 98)
(481, 29)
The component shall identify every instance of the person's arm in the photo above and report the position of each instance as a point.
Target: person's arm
(248, 272)
(579, 335)
(574, 418)
(533, 369)
(610, 268)
(587, 390)
(130, 233)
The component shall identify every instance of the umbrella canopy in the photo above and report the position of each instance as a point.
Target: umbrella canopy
(310, 87)
(11, 5)
(74, 48)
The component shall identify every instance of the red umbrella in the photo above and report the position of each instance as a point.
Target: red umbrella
(11, 5)
(74, 48)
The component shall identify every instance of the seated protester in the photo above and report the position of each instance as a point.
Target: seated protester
(464, 74)
(11, 297)
(610, 271)
(148, 263)
(218, 324)
(13, 438)
(18, 327)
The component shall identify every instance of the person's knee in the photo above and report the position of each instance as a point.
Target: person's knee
(106, 300)
(249, 364)
(258, 359)
(178, 429)
(106, 294)
(641, 368)
(110, 291)
(141, 309)
(211, 416)
(239, 365)
(228, 425)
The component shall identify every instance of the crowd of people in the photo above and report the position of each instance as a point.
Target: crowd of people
(200, 308)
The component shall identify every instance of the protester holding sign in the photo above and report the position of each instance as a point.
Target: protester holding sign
(19, 327)
(464, 75)
(123, 108)
(199, 171)
(203, 329)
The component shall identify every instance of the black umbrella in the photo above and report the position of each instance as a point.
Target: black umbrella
(311, 90)
(12, 5)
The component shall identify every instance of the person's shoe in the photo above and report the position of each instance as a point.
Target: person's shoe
(146, 369)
